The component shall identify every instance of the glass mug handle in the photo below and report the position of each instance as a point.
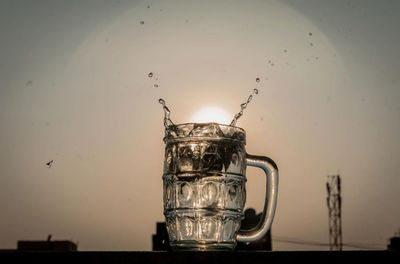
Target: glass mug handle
(271, 171)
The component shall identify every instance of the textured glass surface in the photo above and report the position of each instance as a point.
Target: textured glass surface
(204, 185)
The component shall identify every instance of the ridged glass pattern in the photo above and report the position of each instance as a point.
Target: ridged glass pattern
(204, 185)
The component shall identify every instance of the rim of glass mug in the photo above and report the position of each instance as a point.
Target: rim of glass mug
(206, 131)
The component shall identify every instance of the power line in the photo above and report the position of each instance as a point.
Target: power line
(364, 246)
(299, 241)
(292, 240)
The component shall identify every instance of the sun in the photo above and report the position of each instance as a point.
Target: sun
(211, 114)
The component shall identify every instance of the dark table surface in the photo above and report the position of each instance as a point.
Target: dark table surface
(15, 256)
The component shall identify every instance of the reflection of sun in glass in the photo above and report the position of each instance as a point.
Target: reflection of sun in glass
(211, 114)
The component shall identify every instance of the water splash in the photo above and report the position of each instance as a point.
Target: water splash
(167, 120)
(242, 107)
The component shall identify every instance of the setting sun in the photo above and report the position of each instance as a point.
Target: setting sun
(211, 114)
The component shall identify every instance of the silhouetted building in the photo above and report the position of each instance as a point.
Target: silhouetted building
(160, 239)
(49, 245)
(394, 243)
(251, 219)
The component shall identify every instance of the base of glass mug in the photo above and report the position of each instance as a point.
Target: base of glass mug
(196, 246)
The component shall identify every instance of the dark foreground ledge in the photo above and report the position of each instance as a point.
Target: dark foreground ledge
(253, 257)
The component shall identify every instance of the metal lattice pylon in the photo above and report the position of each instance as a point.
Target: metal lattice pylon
(334, 202)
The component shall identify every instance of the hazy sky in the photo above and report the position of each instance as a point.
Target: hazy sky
(74, 88)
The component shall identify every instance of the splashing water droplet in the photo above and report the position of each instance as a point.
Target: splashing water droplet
(150, 74)
(167, 120)
(257, 79)
(242, 107)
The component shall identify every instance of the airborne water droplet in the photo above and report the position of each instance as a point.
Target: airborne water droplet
(257, 79)
(167, 120)
(242, 107)
(156, 85)
(150, 74)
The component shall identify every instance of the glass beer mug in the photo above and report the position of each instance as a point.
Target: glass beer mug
(204, 187)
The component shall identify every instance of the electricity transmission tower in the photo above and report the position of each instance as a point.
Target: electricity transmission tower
(334, 202)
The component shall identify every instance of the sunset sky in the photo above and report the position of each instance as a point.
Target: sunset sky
(74, 88)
